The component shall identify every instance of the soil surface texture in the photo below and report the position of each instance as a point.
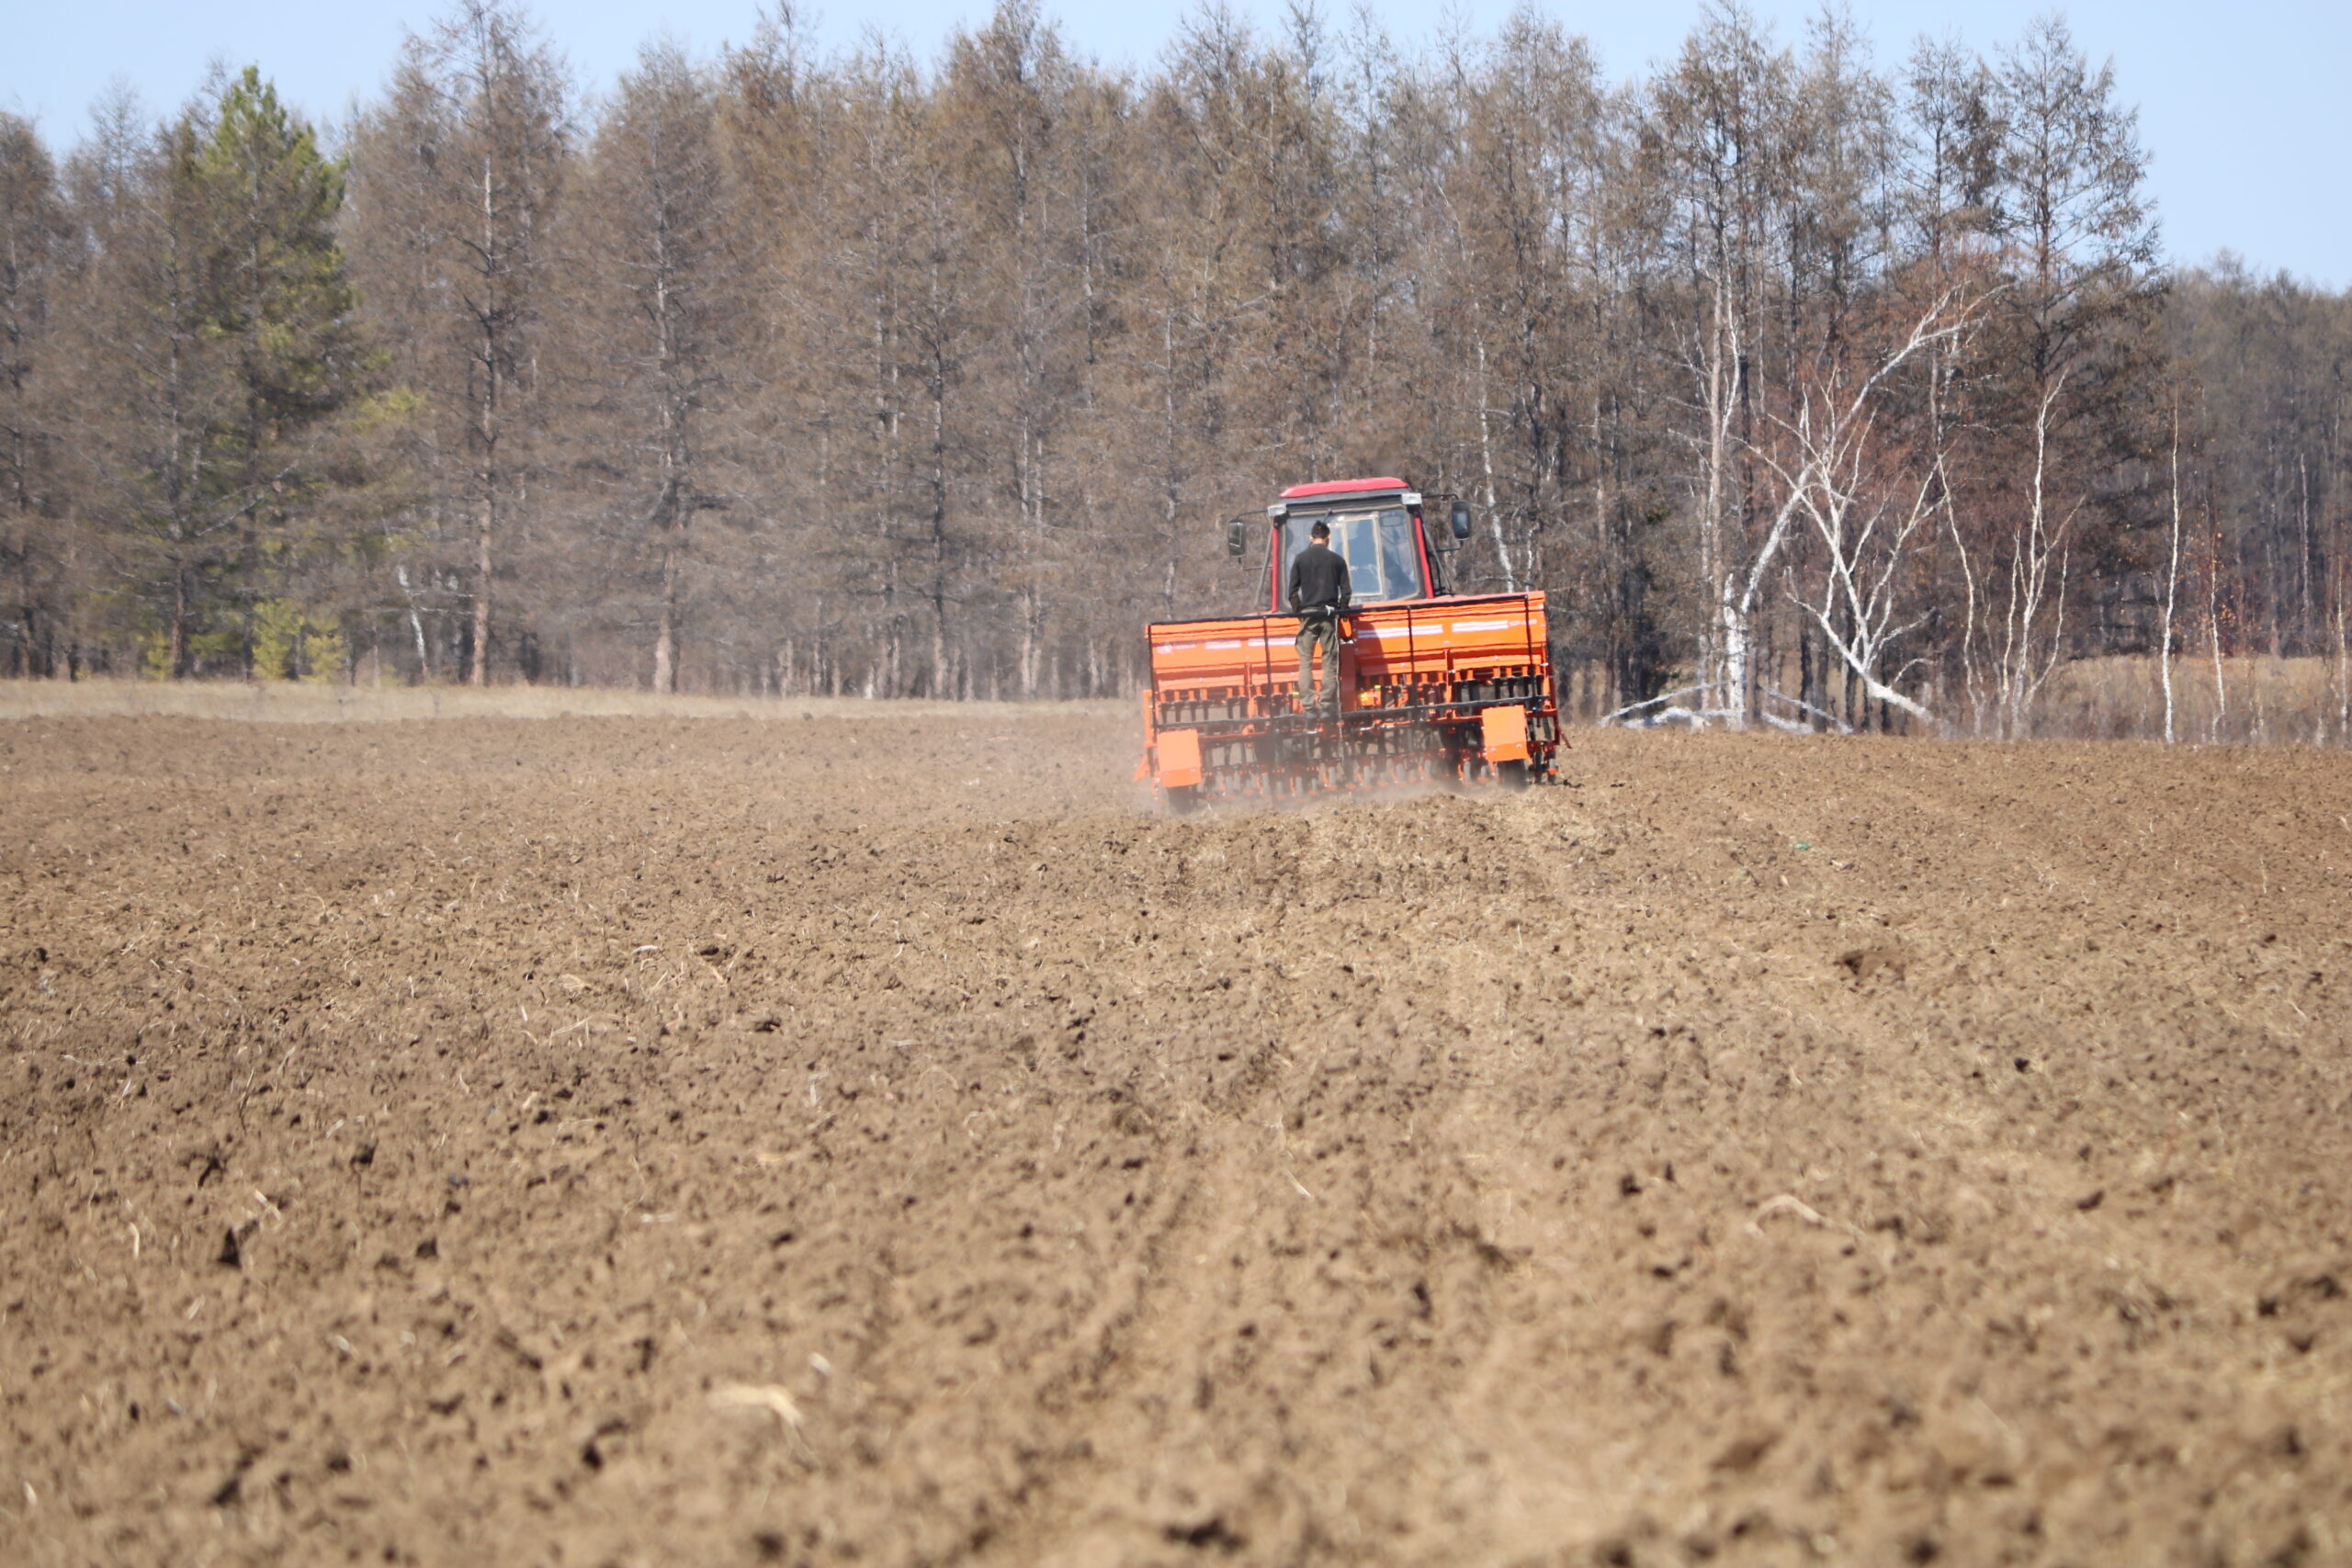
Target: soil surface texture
(885, 1141)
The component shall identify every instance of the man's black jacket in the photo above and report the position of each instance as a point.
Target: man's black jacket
(1318, 579)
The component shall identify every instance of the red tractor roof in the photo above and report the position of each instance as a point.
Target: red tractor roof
(1341, 487)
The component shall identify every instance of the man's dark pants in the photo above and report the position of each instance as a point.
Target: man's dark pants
(1321, 631)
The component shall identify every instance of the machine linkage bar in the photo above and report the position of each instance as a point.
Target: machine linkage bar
(1353, 719)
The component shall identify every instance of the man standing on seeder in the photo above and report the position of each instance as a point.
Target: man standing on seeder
(1318, 597)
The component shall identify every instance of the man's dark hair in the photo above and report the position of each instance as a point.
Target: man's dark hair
(1321, 530)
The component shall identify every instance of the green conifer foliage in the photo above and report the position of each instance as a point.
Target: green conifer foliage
(279, 304)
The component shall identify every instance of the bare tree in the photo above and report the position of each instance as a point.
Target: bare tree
(1869, 517)
(658, 279)
(1721, 117)
(2033, 623)
(2172, 575)
(1008, 90)
(156, 385)
(2072, 340)
(32, 241)
(458, 175)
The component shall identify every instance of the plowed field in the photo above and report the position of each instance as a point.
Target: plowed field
(882, 1141)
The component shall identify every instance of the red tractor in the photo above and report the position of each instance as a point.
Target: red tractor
(1434, 686)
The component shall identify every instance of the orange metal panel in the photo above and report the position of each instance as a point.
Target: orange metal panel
(1415, 643)
(1222, 713)
(1179, 754)
(1503, 732)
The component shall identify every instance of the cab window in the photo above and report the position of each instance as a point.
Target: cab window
(1384, 561)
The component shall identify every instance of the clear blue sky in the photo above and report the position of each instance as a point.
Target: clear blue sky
(2245, 106)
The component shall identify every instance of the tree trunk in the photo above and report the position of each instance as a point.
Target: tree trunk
(665, 635)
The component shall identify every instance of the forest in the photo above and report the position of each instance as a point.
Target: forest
(1817, 388)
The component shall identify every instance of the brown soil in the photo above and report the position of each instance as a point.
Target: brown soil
(882, 1142)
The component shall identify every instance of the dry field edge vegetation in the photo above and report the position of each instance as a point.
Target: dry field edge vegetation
(2255, 701)
(283, 702)
(879, 1142)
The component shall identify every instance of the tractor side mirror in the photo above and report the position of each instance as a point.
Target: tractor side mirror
(1236, 539)
(1459, 519)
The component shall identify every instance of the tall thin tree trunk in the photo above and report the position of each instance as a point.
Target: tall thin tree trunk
(485, 516)
(938, 512)
(665, 635)
(1486, 470)
(487, 431)
(1714, 571)
(2172, 576)
(2213, 613)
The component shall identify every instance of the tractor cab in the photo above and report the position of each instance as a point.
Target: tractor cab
(1377, 526)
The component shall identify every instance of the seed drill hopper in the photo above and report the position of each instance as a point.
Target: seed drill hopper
(1435, 687)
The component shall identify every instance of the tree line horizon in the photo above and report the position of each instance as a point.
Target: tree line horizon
(1814, 388)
